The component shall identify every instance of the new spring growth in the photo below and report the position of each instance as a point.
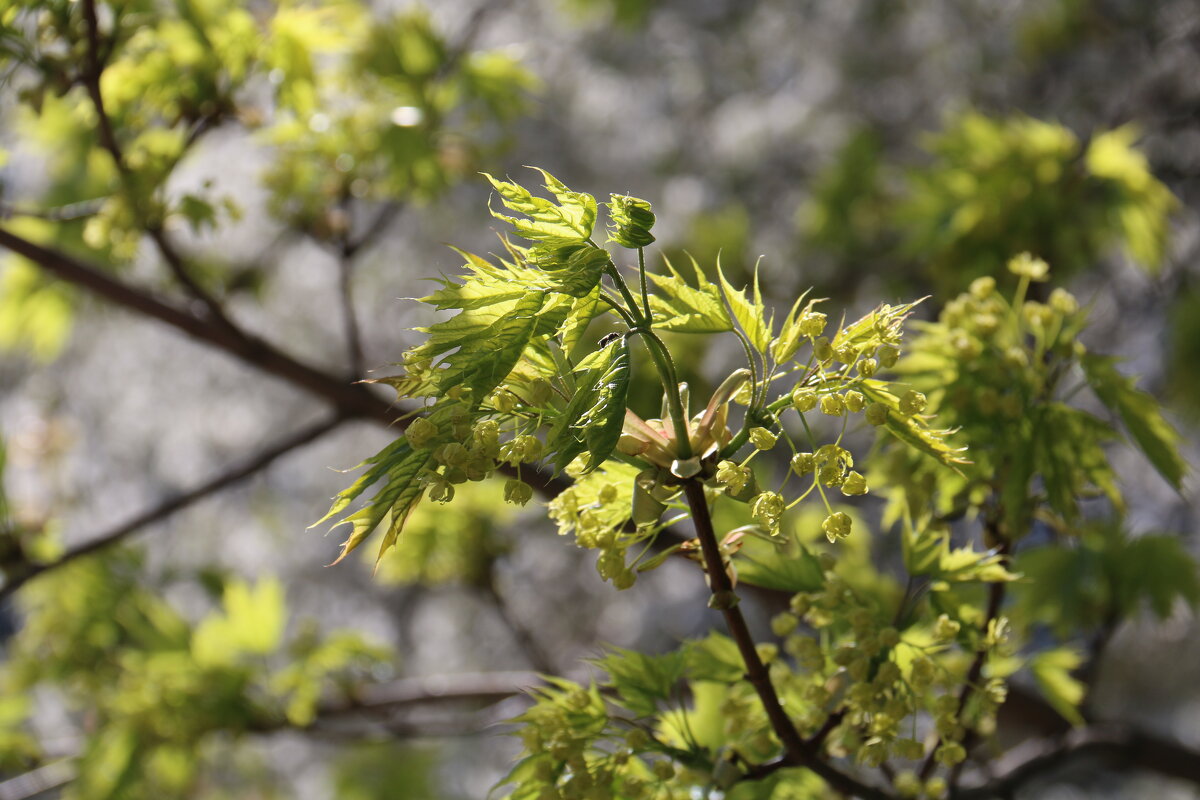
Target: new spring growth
(517, 492)
(836, 526)
(762, 438)
(768, 508)
(913, 402)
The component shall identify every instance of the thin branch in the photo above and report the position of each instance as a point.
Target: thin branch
(169, 507)
(797, 751)
(403, 694)
(65, 213)
(996, 592)
(408, 692)
(383, 219)
(38, 781)
(1116, 747)
(108, 139)
(352, 331)
(351, 399)
(521, 632)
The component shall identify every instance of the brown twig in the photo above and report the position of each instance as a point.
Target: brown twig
(797, 752)
(169, 507)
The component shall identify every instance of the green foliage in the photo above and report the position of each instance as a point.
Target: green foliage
(992, 187)
(861, 659)
(355, 115)
(157, 690)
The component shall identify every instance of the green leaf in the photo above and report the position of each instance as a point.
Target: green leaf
(583, 310)
(750, 316)
(790, 335)
(911, 429)
(397, 497)
(714, 658)
(927, 552)
(380, 464)
(571, 219)
(1158, 569)
(485, 357)
(686, 309)
(786, 568)
(604, 420)
(595, 414)
(633, 219)
(251, 622)
(1052, 672)
(1142, 416)
(641, 680)
(578, 269)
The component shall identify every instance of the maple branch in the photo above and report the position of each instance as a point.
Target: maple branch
(169, 507)
(797, 752)
(1117, 747)
(350, 399)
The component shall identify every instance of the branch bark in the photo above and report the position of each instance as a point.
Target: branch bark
(797, 752)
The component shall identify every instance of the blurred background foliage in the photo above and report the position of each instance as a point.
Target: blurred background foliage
(296, 166)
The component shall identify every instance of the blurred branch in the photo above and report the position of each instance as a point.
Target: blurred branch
(165, 509)
(408, 692)
(38, 781)
(66, 213)
(1116, 747)
(402, 694)
(521, 632)
(108, 139)
(351, 400)
(352, 331)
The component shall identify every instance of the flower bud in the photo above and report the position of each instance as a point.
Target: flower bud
(854, 484)
(452, 454)
(441, 491)
(1029, 266)
(888, 355)
(907, 784)
(913, 402)
(732, 476)
(833, 405)
(767, 508)
(1063, 302)
(855, 401)
(982, 288)
(822, 349)
(836, 526)
(803, 463)
(517, 492)
(762, 438)
(419, 432)
(868, 367)
(783, 624)
(803, 399)
(504, 401)
(539, 392)
(812, 323)
(877, 413)
(936, 788)
(946, 628)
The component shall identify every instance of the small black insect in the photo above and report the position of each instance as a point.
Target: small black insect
(608, 339)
